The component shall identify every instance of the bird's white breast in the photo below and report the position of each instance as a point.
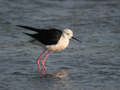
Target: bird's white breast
(61, 45)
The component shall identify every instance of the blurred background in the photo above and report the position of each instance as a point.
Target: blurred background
(93, 64)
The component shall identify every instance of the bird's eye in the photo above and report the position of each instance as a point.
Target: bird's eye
(67, 33)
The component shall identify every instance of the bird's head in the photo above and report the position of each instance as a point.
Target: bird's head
(68, 33)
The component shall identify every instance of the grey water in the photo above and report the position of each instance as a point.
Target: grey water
(93, 64)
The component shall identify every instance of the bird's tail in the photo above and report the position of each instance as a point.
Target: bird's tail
(29, 28)
(31, 35)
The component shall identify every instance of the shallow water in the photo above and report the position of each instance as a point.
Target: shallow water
(93, 64)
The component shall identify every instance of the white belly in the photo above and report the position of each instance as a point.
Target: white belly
(61, 45)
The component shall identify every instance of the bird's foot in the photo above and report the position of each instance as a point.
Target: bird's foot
(42, 71)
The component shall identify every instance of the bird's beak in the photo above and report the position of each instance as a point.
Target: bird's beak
(76, 39)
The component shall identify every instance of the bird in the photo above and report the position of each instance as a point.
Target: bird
(52, 39)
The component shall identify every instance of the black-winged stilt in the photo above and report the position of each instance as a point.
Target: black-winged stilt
(53, 40)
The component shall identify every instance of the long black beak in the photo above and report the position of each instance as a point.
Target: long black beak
(76, 39)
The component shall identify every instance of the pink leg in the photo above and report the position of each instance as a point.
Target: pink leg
(38, 66)
(43, 61)
(38, 59)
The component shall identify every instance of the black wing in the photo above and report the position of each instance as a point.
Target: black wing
(45, 36)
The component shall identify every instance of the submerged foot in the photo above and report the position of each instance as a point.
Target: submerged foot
(42, 71)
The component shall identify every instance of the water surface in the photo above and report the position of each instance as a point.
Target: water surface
(93, 64)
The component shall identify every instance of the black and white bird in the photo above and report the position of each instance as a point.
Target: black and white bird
(52, 39)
